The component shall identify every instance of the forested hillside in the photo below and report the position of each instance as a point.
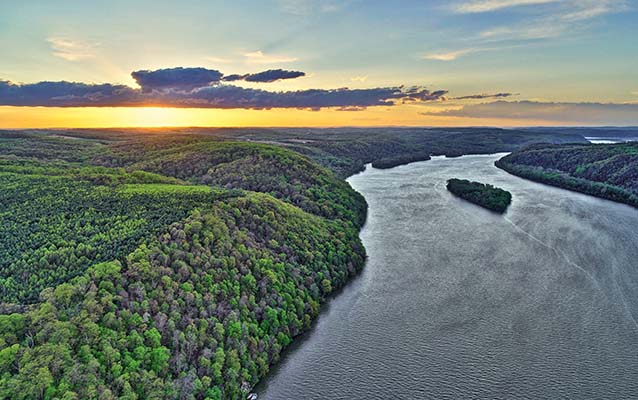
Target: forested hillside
(58, 221)
(609, 171)
(118, 282)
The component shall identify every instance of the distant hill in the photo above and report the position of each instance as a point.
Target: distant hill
(345, 151)
(611, 132)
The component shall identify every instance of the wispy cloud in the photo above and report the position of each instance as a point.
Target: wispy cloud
(483, 96)
(72, 50)
(564, 17)
(309, 7)
(451, 55)
(272, 75)
(258, 57)
(588, 9)
(537, 30)
(481, 6)
(359, 78)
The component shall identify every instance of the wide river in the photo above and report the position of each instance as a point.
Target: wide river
(457, 302)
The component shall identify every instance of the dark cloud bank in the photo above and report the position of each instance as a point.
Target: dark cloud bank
(205, 88)
(580, 113)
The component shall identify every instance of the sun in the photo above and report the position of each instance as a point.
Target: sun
(155, 117)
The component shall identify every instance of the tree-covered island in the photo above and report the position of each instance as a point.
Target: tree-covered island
(481, 194)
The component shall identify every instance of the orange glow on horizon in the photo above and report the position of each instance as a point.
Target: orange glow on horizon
(105, 117)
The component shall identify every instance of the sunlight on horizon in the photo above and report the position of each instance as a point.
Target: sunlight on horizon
(157, 117)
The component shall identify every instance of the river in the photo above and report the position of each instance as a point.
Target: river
(457, 302)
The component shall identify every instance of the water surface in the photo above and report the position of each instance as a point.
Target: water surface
(457, 302)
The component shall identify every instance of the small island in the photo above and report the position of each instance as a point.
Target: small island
(481, 194)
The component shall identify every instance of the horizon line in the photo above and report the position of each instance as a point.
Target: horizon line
(321, 127)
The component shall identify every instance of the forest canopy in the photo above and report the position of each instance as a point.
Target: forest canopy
(609, 171)
(179, 271)
(481, 194)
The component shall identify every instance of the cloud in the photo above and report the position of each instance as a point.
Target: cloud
(72, 50)
(234, 77)
(273, 75)
(66, 94)
(419, 93)
(258, 57)
(534, 31)
(451, 55)
(563, 17)
(310, 7)
(558, 18)
(571, 113)
(483, 96)
(481, 6)
(201, 88)
(181, 78)
(269, 76)
(588, 9)
(176, 78)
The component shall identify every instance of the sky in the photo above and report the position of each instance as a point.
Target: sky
(72, 63)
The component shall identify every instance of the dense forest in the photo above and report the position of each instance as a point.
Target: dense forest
(391, 162)
(609, 171)
(481, 194)
(156, 269)
(345, 151)
(148, 264)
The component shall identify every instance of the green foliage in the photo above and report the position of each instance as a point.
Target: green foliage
(150, 288)
(255, 280)
(55, 226)
(609, 171)
(391, 162)
(484, 195)
(159, 189)
(261, 168)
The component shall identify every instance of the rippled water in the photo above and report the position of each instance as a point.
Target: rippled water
(457, 302)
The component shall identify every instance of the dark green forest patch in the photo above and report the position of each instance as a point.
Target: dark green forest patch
(481, 194)
(609, 171)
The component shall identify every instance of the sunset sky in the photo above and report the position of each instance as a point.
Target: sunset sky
(70, 63)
